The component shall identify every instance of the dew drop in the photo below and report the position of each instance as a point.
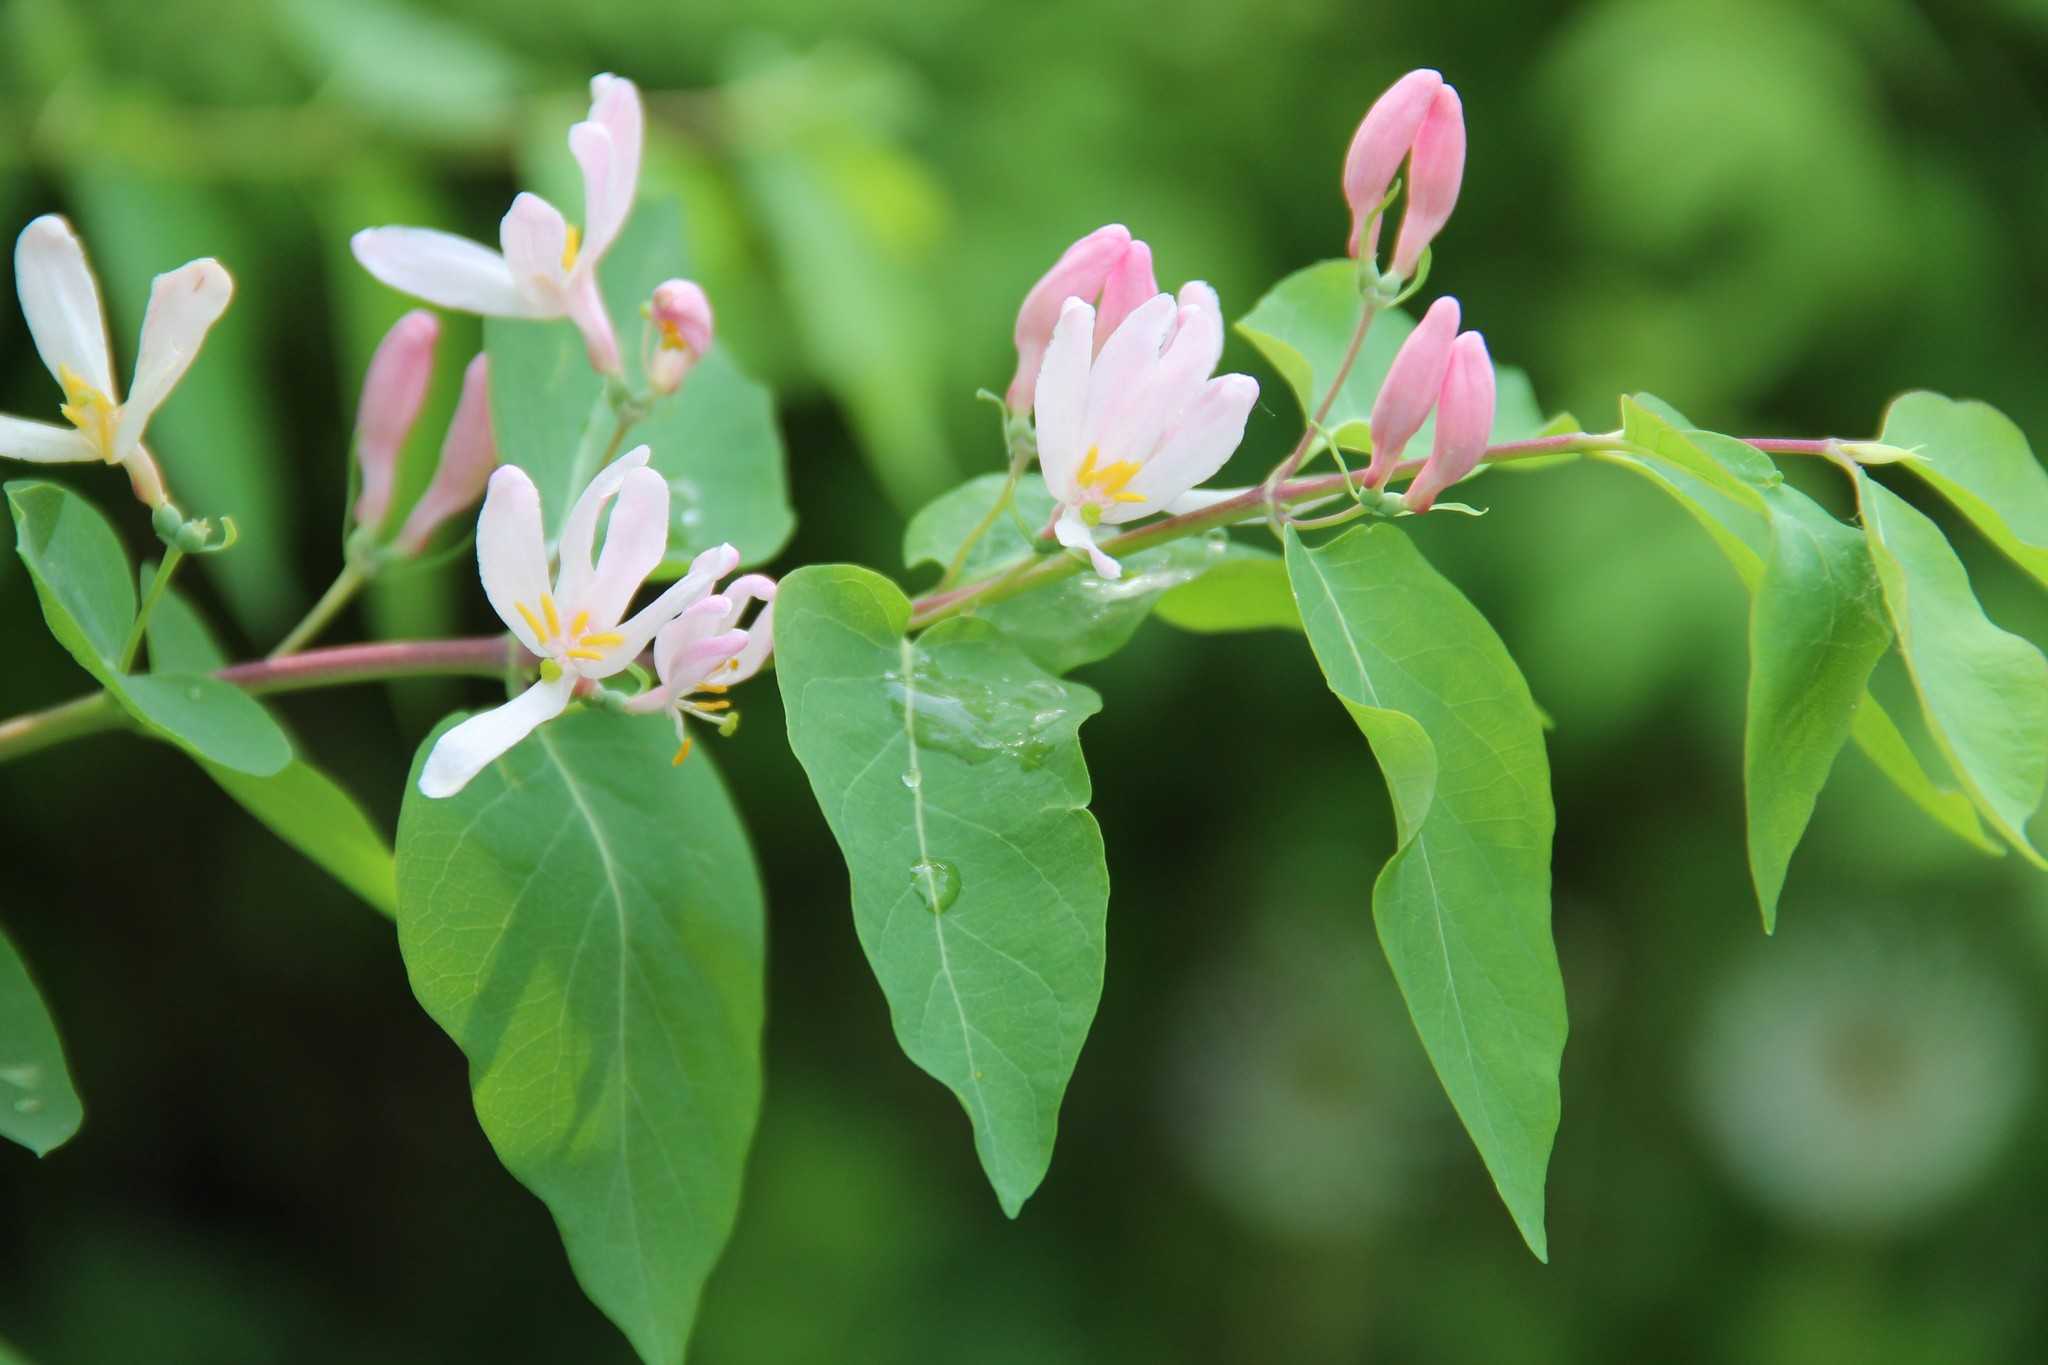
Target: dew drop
(28, 1104)
(26, 1076)
(939, 881)
(912, 778)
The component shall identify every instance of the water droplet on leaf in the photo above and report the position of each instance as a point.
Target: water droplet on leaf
(912, 778)
(939, 881)
(28, 1104)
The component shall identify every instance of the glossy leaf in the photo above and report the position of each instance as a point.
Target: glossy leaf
(1973, 455)
(950, 772)
(1303, 326)
(586, 922)
(1463, 905)
(1076, 620)
(715, 441)
(81, 576)
(38, 1106)
(1878, 735)
(1249, 591)
(1984, 691)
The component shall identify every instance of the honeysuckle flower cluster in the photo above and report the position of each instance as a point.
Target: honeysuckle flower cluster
(575, 620)
(60, 300)
(704, 650)
(1442, 369)
(394, 388)
(545, 267)
(1421, 120)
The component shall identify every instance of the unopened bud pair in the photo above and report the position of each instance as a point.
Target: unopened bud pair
(1442, 369)
(1420, 120)
(394, 389)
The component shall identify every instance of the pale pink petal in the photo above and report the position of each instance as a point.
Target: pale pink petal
(1410, 388)
(1199, 445)
(1434, 172)
(474, 745)
(447, 270)
(468, 455)
(1383, 138)
(760, 645)
(705, 571)
(511, 557)
(394, 386)
(43, 442)
(1194, 344)
(1079, 273)
(535, 237)
(1061, 398)
(602, 213)
(578, 547)
(61, 302)
(1130, 283)
(585, 305)
(1464, 422)
(634, 542)
(1123, 372)
(689, 649)
(615, 106)
(1075, 534)
(183, 306)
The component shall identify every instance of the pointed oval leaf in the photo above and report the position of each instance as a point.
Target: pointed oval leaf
(1463, 905)
(39, 1108)
(950, 772)
(1975, 456)
(585, 921)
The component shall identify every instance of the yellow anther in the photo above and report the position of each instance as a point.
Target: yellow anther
(1108, 481)
(712, 705)
(681, 754)
(570, 245)
(595, 656)
(547, 604)
(86, 408)
(671, 337)
(713, 687)
(733, 664)
(531, 624)
(608, 640)
(576, 626)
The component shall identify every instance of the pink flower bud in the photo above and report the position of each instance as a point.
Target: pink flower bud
(1464, 422)
(1090, 267)
(682, 319)
(1435, 170)
(393, 389)
(1383, 138)
(1411, 387)
(468, 455)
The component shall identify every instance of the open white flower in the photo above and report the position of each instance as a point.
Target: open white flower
(61, 301)
(704, 650)
(577, 624)
(548, 267)
(1126, 433)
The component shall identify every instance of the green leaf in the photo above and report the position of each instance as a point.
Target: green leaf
(38, 1106)
(82, 578)
(1816, 630)
(1977, 459)
(1303, 326)
(412, 72)
(1249, 591)
(1463, 905)
(1885, 745)
(1078, 619)
(179, 639)
(1984, 691)
(715, 441)
(586, 923)
(950, 771)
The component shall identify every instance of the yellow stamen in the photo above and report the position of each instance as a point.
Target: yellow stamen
(712, 705)
(1110, 479)
(593, 655)
(570, 245)
(91, 411)
(547, 604)
(713, 687)
(607, 640)
(576, 626)
(672, 337)
(733, 664)
(531, 624)
(681, 754)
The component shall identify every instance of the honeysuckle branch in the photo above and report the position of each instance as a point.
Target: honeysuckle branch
(339, 594)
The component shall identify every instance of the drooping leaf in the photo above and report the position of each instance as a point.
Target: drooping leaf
(82, 579)
(1076, 620)
(950, 772)
(716, 441)
(1975, 456)
(1304, 325)
(38, 1106)
(1983, 690)
(1463, 905)
(586, 923)
(1878, 735)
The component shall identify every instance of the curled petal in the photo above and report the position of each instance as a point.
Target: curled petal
(1073, 533)
(1061, 398)
(705, 571)
(1199, 445)
(511, 557)
(1079, 273)
(43, 442)
(1410, 388)
(760, 645)
(475, 744)
(615, 107)
(447, 270)
(578, 549)
(1436, 169)
(634, 543)
(1383, 138)
(183, 306)
(61, 301)
(468, 455)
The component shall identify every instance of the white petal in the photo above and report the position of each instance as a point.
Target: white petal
(760, 644)
(475, 744)
(535, 237)
(442, 268)
(603, 214)
(634, 542)
(577, 551)
(183, 306)
(1061, 397)
(511, 558)
(1208, 432)
(584, 304)
(1154, 407)
(705, 571)
(615, 106)
(1123, 378)
(43, 442)
(1075, 535)
(61, 301)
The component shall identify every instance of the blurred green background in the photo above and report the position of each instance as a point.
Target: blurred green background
(1820, 1147)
